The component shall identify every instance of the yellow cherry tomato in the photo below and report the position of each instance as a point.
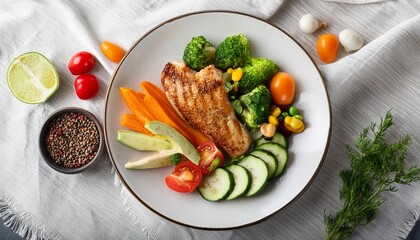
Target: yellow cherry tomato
(112, 51)
(282, 88)
(327, 47)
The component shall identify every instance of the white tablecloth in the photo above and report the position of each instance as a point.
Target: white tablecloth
(38, 202)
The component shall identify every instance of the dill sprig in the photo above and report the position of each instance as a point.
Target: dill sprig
(376, 167)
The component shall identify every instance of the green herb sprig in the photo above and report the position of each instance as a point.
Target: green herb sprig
(376, 167)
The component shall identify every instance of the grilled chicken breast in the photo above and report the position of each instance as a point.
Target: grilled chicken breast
(201, 99)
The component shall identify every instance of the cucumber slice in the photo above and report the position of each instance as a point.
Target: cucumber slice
(261, 140)
(242, 179)
(277, 138)
(268, 158)
(259, 173)
(216, 186)
(280, 139)
(279, 151)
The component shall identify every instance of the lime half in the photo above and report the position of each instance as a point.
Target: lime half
(32, 78)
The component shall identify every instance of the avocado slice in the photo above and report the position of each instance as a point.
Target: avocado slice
(142, 142)
(162, 158)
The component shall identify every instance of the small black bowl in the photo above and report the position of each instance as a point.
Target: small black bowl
(46, 129)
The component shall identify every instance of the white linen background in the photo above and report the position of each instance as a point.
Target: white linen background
(41, 203)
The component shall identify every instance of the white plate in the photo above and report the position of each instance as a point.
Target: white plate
(145, 61)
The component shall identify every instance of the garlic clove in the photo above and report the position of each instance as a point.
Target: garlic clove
(350, 39)
(309, 24)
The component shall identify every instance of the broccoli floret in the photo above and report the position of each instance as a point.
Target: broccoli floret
(199, 53)
(175, 158)
(233, 52)
(257, 71)
(238, 108)
(230, 86)
(253, 108)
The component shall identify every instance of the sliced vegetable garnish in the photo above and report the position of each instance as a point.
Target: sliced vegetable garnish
(210, 157)
(185, 177)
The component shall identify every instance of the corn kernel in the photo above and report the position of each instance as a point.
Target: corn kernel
(276, 112)
(230, 70)
(299, 130)
(288, 127)
(287, 120)
(237, 74)
(273, 120)
(296, 123)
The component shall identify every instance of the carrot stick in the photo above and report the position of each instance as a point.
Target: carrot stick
(136, 104)
(151, 89)
(160, 113)
(131, 122)
(157, 93)
(140, 95)
(158, 105)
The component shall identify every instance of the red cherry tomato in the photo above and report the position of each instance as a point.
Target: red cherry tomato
(210, 157)
(86, 85)
(327, 47)
(185, 177)
(112, 51)
(282, 88)
(81, 62)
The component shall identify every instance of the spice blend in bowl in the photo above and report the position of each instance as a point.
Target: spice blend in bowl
(71, 140)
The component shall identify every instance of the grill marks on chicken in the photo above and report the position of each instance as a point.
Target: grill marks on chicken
(201, 99)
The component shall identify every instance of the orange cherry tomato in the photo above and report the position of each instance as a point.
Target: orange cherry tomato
(113, 52)
(327, 47)
(282, 88)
